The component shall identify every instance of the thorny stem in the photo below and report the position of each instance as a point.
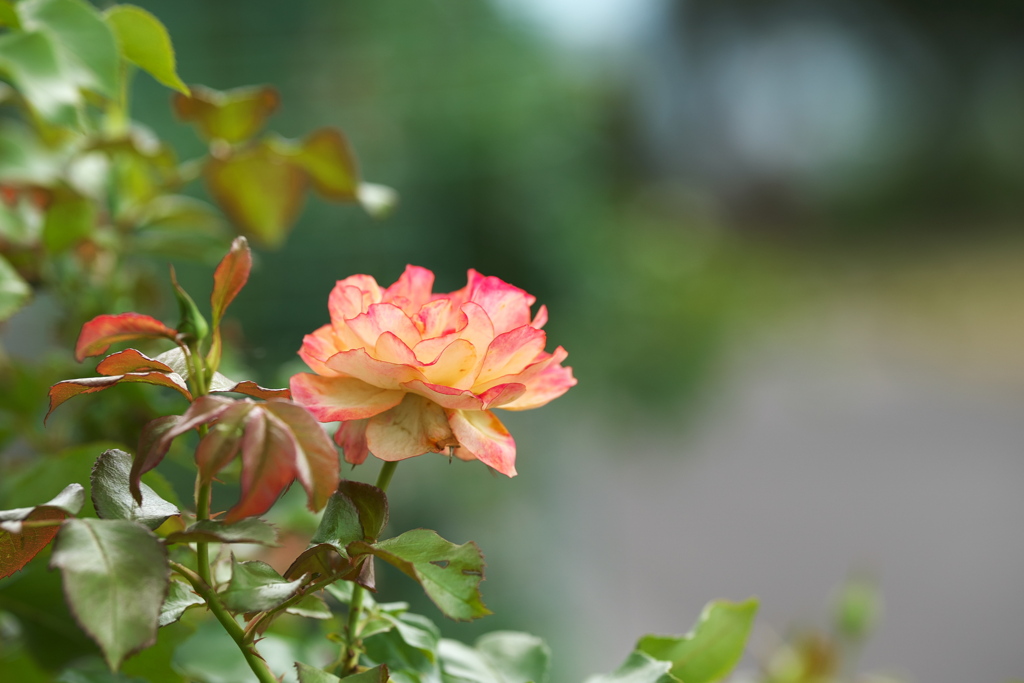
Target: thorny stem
(256, 663)
(355, 607)
(253, 627)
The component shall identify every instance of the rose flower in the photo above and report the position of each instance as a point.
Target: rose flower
(408, 372)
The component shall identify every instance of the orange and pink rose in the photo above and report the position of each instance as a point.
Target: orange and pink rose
(408, 372)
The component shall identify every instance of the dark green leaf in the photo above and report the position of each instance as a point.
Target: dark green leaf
(356, 512)
(86, 47)
(710, 651)
(112, 498)
(256, 587)
(115, 579)
(639, 668)
(450, 574)
(93, 670)
(19, 544)
(144, 41)
(30, 59)
(14, 291)
(179, 598)
(251, 530)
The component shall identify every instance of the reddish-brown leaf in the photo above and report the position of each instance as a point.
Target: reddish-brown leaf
(316, 459)
(222, 442)
(130, 360)
(17, 549)
(157, 436)
(231, 275)
(247, 387)
(99, 333)
(69, 388)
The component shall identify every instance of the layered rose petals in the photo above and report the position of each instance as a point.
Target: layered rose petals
(408, 372)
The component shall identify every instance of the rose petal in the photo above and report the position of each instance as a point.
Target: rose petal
(359, 364)
(391, 349)
(412, 289)
(351, 436)
(336, 399)
(510, 353)
(413, 427)
(446, 397)
(436, 318)
(381, 318)
(482, 434)
(453, 368)
(317, 348)
(495, 397)
(507, 306)
(541, 319)
(549, 382)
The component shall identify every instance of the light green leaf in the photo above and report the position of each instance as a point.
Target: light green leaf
(144, 41)
(450, 574)
(639, 668)
(179, 598)
(112, 499)
(115, 578)
(30, 59)
(309, 674)
(24, 159)
(310, 606)
(86, 47)
(498, 657)
(378, 674)
(14, 291)
(256, 587)
(232, 115)
(410, 645)
(710, 651)
(327, 158)
(8, 16)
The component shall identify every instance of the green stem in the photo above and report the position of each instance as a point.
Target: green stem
(203, 512)
(355, 607)
(256, 663)
(253, 628)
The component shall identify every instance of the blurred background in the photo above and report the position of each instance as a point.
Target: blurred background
(781, 240)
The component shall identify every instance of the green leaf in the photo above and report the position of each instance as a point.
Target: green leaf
(18, 543)
(256, 587)
(309, 674)
(310, 606)
(857, 608)
(498, 657)
(639, 668)
(356, 512)
(86, 47)
(30, 59)
(410, 645)
(111, 496)
(450, 574)
(233, 116)
(14, 291)
(192, 324)
(250, 530)
(8, 17)
(69, 220)
(714, 646)
(260, 192)
(24, 159)
(144, 42)
(115, 578)
(378, 674)
(179, 598)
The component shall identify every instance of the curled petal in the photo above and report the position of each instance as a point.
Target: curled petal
(393, 350)
(413, 427)
(446, 397)
(359, 364)
(454, 366)
(318, 347)
(412, 289)
(510, 353)
(500, 395)
(381, 318)
(336, 399)
(507, 306)
(541, 319)
(549, 381)
(481, 433)
(353, 296)
(351, 437)
(435, 319)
